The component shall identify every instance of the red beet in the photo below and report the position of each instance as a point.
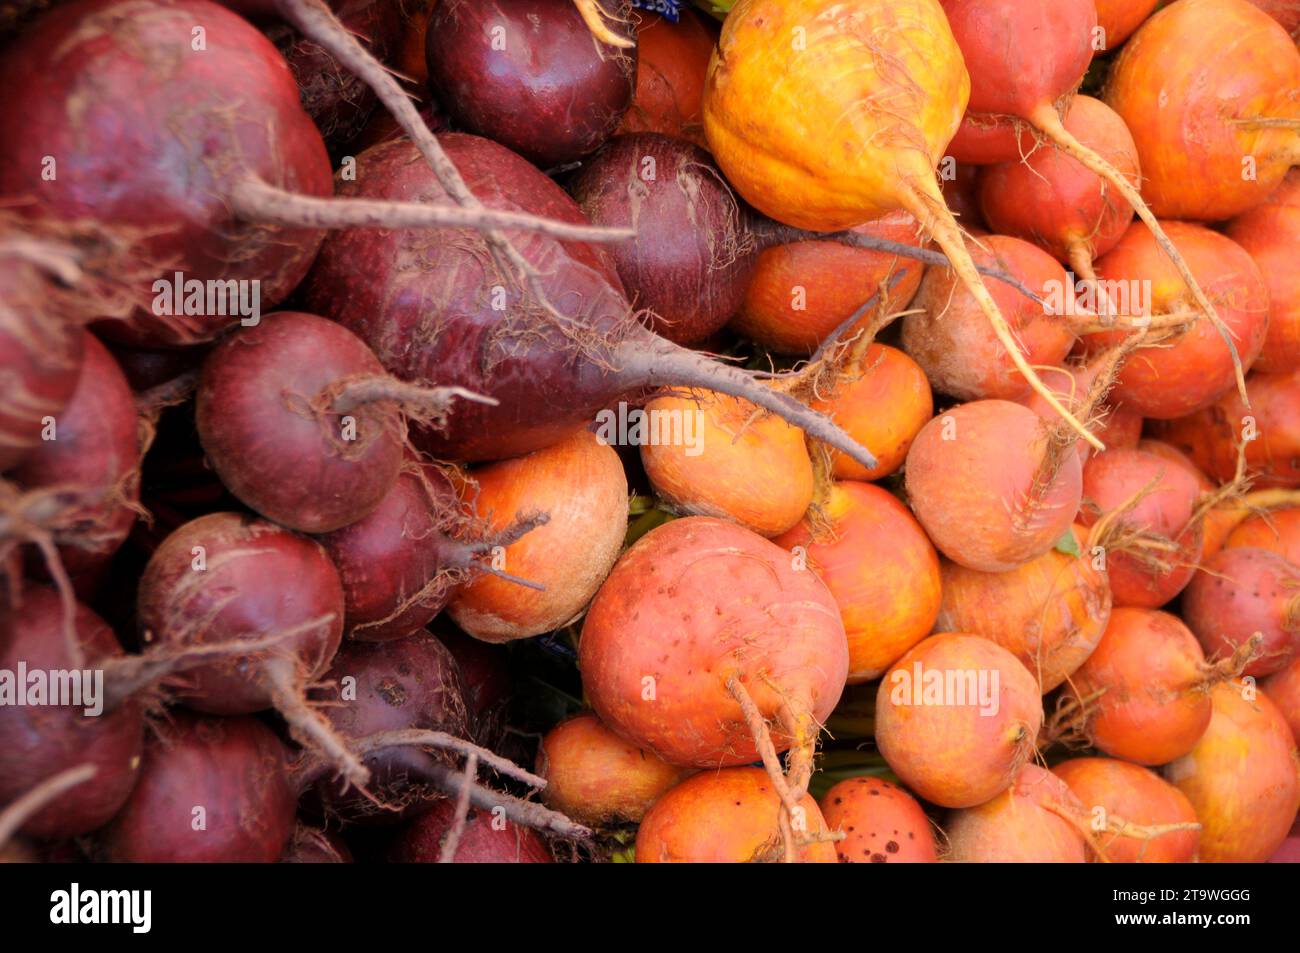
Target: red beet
(38, 742)
(487, 839)
(226, 578)
(388, 686)
(313, 845)
(218, 174)
(438, 311)
(1243, 591)
(95, 450)
(40, 343)
(1152, 543)
(286, 422)
(489, 685)
(528, 74)
(693, 257)
(212, 790)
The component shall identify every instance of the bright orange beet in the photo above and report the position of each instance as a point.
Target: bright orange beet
(882, 823)
(882, 405)
(956, 718)
(880, 567)
(803, 291)
(745, 464)
(672, 60)
(1188, 84)
(1119, 18)
(579, 483)
(1275, 530)
(1242, 778)
(1023, 824)
(597, 778)
(1049, 613)
(1129, 794)
(724, 817)
(1284, 689)
(1271, 234)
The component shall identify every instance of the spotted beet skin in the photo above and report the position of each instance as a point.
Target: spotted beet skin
(424, 302)
(148, 135)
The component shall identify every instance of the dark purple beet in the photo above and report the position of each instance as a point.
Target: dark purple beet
(338, 100)
(693, 255)
(486, 839)
(528, 74)
(435, 310)
(40, 348)
(229, 775)
(152, 136)
(260, 580)
(276, 423)
(386, 686)
(400, 564)
(489, 684)
(148, 367)
(95, 449)
(313, 845)
(39, 742)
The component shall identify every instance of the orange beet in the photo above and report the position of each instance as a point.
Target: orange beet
(724, 817)
(1276, 530)
(956, 717)
(1285, 12)
(1242, 778)
(882, 823)
(672, 59)
(1218, 522)
(1284, 689)
(1049, 613)
(802, 291)
(1119, 18)
(1023, 824)
(1051, 200)
(955, 345)
(1210, 437)
(880, 567)
(692, 605)
(1126, 793)
(1153, 678)
(1271, 234)
(991, 486)
(595, 777)
(1119, 427)
(883, 405)
(1143, 568)
(1184, 372)
(1188, 84)
(743, 464)
(579, 483)
(1244, 592)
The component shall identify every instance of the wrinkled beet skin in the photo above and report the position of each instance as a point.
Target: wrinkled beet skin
(40, 358)
(278, 580)
(96, 447)
(252, 413)
(338, 101)
(410, 683)
(480, 843)
(693, 257)
(234, 768)
(150, 135)
(553, 94)
(424, 302)
(395, 552)
(39, 742)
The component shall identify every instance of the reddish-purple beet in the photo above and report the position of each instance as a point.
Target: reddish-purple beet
(486, 839)
(528, 74)
(40, 740)
(284, 421)
(227, 578)
(93, 448)
(692, 257)
(1243, 591)
(389, 686)
(314, 845)
(439, 311)
(230, 774)
(40, 347)
(489, 685)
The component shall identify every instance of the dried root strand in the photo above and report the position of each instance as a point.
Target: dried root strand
(528, 813)
(18, 812)
(448, 853)
(595, 15)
